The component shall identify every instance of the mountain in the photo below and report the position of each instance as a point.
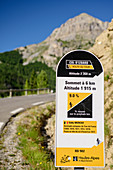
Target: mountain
(79, 32)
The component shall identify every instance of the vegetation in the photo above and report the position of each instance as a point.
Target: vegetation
(31, 141)
(14, 75)
(78, 43)
(106, 128)
(40, 49)
(64, 43)
(42, 81)
(111, 166)
(107, 133)
(106, 78)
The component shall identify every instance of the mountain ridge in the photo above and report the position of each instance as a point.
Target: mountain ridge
(78, 32)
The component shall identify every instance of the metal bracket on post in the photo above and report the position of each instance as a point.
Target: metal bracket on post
(79, 168)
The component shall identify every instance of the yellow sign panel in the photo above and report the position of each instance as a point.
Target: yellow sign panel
(80, 156)
(88, 67)
(75, 98)
(80, 127)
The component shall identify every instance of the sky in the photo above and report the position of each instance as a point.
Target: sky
(25, 22)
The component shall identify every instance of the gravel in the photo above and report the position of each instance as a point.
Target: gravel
(10, 156)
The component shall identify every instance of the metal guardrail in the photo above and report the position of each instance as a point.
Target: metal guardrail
(26, 91)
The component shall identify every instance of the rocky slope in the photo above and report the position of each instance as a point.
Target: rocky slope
(103, 49)
(78, 32)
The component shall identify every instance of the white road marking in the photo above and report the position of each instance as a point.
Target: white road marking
(38, 103)
(1, 124)
(17, 111)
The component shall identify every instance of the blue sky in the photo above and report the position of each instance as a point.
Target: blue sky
(24, 22)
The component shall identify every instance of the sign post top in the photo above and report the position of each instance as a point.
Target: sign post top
(78, 60)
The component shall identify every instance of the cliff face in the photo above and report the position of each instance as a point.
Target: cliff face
(103, 49)
(79, 32)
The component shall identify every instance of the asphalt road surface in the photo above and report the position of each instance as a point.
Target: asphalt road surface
(14, 105)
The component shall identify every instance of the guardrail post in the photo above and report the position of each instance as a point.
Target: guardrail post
(25, 92)
(37, 91)
(10, 93)
(48, 91)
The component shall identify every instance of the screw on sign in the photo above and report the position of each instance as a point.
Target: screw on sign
(79, 111)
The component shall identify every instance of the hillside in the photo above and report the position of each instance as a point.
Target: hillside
(14, 75)
(103, 49)
(79, 32)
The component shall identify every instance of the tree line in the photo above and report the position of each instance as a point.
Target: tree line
(15, 75)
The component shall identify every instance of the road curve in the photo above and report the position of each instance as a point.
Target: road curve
(11, 106)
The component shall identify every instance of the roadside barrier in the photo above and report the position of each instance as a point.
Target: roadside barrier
(37, 91)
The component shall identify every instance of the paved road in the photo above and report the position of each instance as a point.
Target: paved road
(11, 106)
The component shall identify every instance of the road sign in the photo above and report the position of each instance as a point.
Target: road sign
(79, 111)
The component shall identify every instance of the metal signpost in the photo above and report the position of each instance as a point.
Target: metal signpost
(79, 111)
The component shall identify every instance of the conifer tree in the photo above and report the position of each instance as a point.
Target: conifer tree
(26, 86)
(33, 80)
(42, 81)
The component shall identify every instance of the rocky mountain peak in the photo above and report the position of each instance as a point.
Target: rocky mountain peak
(79, 32)
(82, 25)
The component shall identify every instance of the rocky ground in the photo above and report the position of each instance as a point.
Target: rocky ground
(10, 156)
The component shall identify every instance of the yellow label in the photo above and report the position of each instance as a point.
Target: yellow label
(88, 67)
(80, 156)
(80, 127)
(75, 98)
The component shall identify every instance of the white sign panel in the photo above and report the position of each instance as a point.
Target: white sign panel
(79, 111)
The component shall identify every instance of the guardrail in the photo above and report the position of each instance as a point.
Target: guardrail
(10, 91)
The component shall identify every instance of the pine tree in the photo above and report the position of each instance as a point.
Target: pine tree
(42, 81)
(26, 86)
(33, 80)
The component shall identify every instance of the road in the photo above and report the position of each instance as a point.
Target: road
(14, 105)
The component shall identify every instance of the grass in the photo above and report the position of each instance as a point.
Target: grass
(111, 166)
(31, 141)
(12, 155)
(107, 77)
(106, 128)
(64, 43)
